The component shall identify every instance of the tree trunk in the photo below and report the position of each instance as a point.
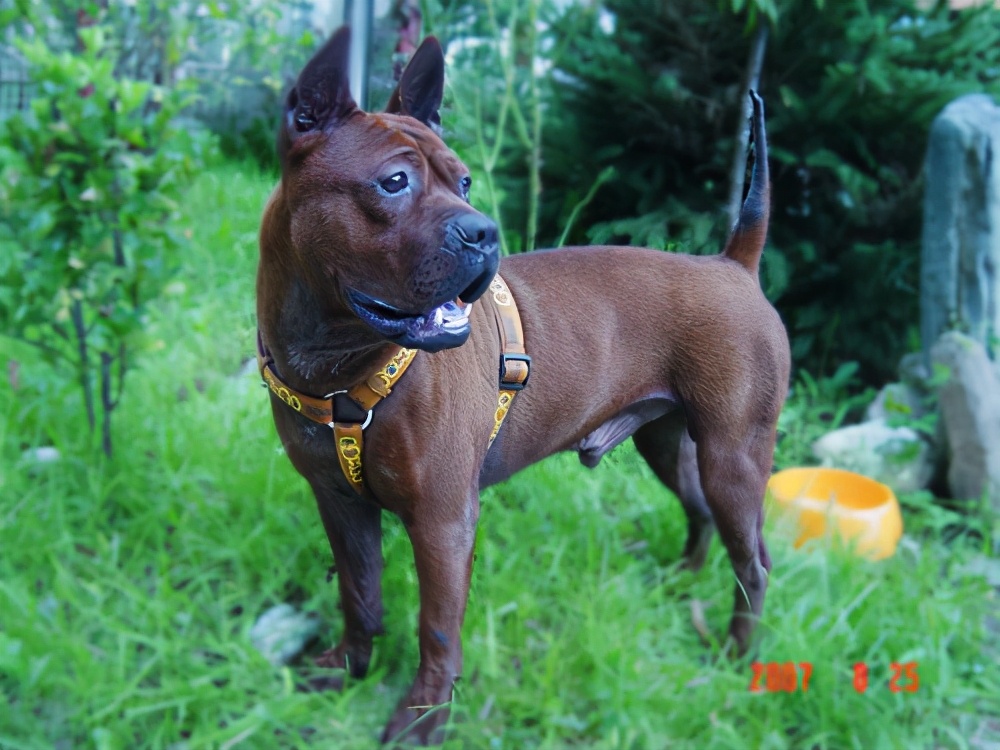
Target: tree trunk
(81, 343)
(108, 403)
(751, 80)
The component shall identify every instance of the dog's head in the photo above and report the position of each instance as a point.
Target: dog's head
(379, 205)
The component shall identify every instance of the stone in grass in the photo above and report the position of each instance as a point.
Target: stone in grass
(39, 460)
(896, 401)
(896, 456)
(282, 632)
(914, 372)
(985, 567)
(970, 412)
(45, 454)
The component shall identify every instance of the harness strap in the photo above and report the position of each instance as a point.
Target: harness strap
(515, 364)
(346, 412)
(349, 436)
(349, 412)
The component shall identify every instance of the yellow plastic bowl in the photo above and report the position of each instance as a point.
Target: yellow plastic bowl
(859, 510)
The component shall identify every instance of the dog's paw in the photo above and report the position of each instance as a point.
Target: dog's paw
(421, 726)
(332, 658)
(323, 684)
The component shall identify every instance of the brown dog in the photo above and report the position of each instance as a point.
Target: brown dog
(367, 243)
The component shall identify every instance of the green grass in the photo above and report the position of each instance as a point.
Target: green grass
(128, 588)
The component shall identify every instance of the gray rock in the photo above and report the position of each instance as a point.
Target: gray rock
(982, 566)
(45, 454)
(914, 372)
(896, 456)
(960, 263)
(282, 632)
(970, 415)
(894, 401)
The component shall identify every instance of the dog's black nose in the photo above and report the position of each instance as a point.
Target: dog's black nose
(476, 231)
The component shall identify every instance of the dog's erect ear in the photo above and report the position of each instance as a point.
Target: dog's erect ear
(421, 88)
(321, 96)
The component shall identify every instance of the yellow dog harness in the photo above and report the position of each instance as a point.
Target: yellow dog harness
(349, 412)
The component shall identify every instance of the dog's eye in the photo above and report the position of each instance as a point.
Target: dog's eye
(465, 184)
(394, 183)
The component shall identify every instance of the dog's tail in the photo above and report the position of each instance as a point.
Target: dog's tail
(746, 243)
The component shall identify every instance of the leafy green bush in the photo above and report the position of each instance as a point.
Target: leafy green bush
(89, 180)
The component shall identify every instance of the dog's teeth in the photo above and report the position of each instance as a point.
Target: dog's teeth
(451, 316)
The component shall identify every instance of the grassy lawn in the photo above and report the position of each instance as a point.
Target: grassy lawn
(128, 588)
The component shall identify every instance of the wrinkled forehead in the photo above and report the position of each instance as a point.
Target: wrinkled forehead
(366, 141)
(400, 130)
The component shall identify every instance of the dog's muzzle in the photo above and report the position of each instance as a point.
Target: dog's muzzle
(452, 279)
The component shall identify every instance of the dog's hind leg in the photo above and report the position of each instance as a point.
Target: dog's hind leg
(670, 452)
(734, 471)
(354, 527)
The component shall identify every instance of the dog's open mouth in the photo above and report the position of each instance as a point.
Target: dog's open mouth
(443, 327)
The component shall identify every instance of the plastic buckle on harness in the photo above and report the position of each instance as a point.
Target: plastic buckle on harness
(504, 359)
(338, 406)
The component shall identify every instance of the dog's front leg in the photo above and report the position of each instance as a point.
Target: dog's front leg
(443, 541)
(354, 527)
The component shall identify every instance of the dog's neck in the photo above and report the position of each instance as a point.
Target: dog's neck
(318, 345)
